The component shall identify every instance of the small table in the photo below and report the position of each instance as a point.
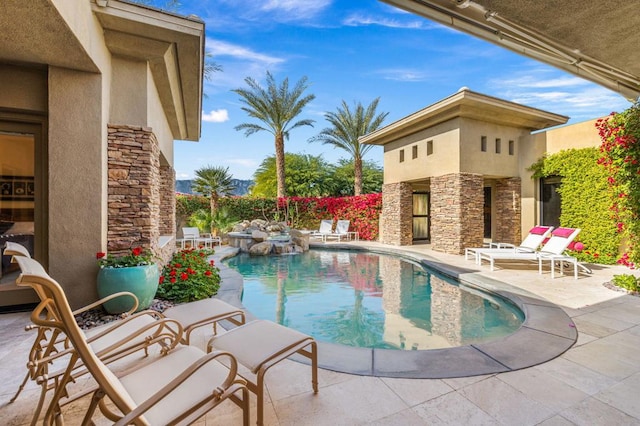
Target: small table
(553, 258)
(353, 235)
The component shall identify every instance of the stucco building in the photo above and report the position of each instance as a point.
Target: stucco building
(92, 96)
(456, 172)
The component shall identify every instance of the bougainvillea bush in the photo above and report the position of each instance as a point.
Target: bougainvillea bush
(299, 212)
(189, 276)
(620, 157)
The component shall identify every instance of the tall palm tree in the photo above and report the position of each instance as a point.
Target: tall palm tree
(347, 127)
(215, 182)
(276, 107)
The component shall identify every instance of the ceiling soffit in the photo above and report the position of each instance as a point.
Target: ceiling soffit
(587, 38)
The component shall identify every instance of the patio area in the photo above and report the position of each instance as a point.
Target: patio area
(594, 383)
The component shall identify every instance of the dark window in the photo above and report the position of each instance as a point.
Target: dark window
(483, 143)
(512, 147)
(414, 152)
(402, 155)
(429, 147)
(550, 201)
(498, 145)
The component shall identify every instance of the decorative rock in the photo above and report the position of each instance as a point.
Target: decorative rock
(259, 235)
(260, 249)
(300, 239)
(259, 223)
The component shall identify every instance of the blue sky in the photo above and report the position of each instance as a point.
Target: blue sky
(355, 50)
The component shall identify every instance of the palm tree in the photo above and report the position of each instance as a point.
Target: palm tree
(347, 127)
(215, 182)
(276, 107)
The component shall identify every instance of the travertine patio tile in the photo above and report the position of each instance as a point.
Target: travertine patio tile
(592, 412)
(624, 396)
(616, 356)
(453, 409)
(406, 417)
(595, 329)
(584, 338)
(607, 322)
(460, 382)
(359, 400)
(629, 312)
(543, 388)
(556, 421)
(415, 392)
(505, 403)
(576, 375)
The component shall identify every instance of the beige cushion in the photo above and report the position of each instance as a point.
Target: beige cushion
(257, 341)
(196, 312)
(125, 329)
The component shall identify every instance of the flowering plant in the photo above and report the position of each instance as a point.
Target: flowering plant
(137, 257)
(189, 276)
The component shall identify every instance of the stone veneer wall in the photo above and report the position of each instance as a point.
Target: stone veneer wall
(457, 202)
(167, 200)
(396, 218)
(133, 189)
(508, 211)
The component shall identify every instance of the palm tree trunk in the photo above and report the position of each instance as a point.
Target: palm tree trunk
(357, 171)
(280, 175)
(213, 205)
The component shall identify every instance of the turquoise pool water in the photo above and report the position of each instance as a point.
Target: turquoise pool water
(370, 300)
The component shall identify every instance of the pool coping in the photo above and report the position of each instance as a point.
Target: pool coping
(546, 333)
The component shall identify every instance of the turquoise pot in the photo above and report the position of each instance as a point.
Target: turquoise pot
(139, 280)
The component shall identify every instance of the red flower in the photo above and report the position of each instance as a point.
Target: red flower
(173, 280)
(161, 279)
(100, 255)
(212, 263)
(172, 273)
(184, 276)
(207, 272)
(136, 251)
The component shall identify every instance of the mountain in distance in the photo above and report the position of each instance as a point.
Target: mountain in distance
(242, 186)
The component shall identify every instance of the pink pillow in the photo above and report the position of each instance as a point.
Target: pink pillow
(539, 230)
(563, 232)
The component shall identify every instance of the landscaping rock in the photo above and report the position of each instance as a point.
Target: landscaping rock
(259, 235)
(261, 249)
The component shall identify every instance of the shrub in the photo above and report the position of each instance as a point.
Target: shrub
(585, 200)
(626, 281)
(189, 277)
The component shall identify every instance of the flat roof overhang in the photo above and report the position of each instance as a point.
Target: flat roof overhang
(468, 104)
(589, 38)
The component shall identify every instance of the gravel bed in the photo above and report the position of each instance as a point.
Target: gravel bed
(95, 317)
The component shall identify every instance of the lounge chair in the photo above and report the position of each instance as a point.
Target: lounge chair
(342, 231)
(555, 246)
(192, 236)
(177, 388)
(531, 242)
(118, 339)
(326, 228)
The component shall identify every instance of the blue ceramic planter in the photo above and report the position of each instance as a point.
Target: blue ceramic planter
(139, 280)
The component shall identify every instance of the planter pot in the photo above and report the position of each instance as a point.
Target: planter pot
(139, 280)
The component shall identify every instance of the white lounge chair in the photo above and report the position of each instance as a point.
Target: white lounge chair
(531, 242)
(555, 246)
(342, 231)
(192, 236)
(326, 228)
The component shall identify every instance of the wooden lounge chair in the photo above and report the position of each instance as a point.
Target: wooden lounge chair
(531, 242)
(177, 388)
(555, 246)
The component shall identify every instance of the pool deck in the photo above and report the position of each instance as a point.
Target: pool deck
(595, 382)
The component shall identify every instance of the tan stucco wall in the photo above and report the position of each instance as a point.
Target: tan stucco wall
(157, 120)
(578, 135)
(128, 92)
(77, 203)
(444, 160)
(23, 88)
(489, 163)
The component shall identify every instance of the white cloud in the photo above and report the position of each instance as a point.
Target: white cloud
(361, 20)
(222, 48)
(216, 116)
(403, 74)
(293, 10)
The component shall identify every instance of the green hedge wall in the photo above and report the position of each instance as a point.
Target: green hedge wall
(585, 201)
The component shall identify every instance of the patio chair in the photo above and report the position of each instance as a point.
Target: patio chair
(116, 340)
(326, 227)
(531, 242)
(178, 388)
(555, 246)
(342, 231)
(192, 235)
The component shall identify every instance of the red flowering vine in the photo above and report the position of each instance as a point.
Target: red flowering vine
(620, 149)
(189, 276)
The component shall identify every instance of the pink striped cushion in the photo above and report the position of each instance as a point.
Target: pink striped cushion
(539, 230)
(563, 232)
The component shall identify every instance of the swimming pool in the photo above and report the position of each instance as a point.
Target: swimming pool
(371, 300)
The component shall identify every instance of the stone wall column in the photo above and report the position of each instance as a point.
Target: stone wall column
(457, 202)
(508, 211)
(396, 218)
(167, 200)
(133, 189)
